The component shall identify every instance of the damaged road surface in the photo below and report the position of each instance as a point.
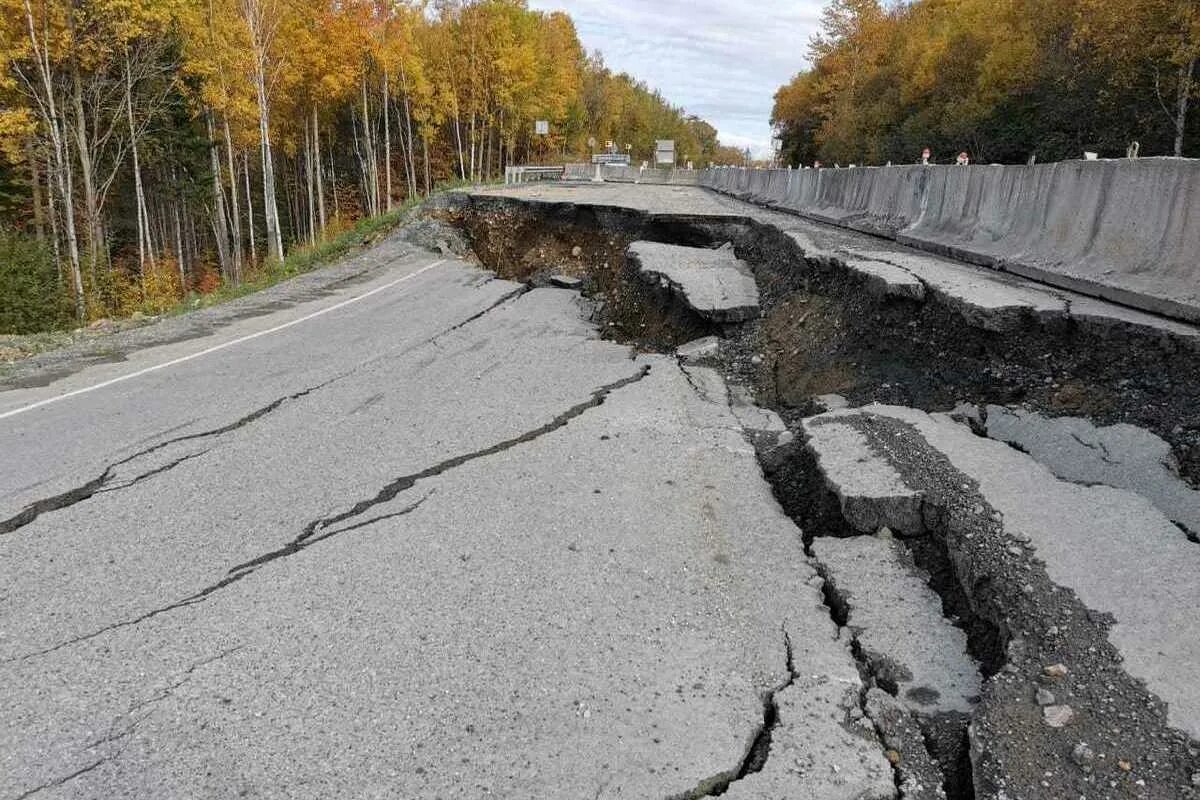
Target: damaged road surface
(430, 536)
(681, 499)
(995, 483)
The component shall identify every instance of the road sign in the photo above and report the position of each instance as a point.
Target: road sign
(611, 158)
(542, 127)
(664, 151)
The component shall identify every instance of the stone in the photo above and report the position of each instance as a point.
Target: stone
(1081, 754)
(1055, 671)
(1058, 716)
(576, 251)
(1044, 697)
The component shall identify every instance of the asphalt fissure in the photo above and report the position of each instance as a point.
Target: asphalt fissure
(101, 482)
(1045, 644)
(325, 528)
(759, 751)
(405, 482)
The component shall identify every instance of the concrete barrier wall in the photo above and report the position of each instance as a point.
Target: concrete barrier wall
(1124, 230)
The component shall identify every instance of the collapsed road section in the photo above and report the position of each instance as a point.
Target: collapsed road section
(1022, 617)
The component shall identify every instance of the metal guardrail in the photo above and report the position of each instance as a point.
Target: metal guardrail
(515, 175)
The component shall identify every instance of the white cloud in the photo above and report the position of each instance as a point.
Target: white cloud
(720, 60)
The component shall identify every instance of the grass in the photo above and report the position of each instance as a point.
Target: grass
(303, 258)
(306, 258)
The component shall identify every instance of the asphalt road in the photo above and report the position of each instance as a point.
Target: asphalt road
(424, 535)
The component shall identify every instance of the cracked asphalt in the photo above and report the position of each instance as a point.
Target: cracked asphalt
(423, 535)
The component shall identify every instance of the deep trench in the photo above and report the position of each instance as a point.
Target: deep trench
(822, 332)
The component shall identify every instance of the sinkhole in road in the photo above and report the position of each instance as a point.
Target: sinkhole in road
(821, 332)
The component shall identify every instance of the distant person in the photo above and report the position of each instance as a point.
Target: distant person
(963, 159)
(816, 165)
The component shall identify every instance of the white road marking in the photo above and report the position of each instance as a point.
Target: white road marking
(222, 346)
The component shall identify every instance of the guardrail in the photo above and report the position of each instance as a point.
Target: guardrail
(515, 175)
(614, 173)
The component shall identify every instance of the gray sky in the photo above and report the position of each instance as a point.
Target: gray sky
(722, 61)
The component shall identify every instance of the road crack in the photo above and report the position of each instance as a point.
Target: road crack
(759, 751)
(121, 736)
(101, 483)
(515, 293)
(405, 482)
(325, 528)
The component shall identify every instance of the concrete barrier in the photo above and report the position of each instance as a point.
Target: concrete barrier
(1124, 230)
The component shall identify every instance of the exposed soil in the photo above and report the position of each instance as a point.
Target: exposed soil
(519, 246)
(822, 332)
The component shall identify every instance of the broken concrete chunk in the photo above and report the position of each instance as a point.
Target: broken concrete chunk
(1122, 456)
(566, 281)
(713, 283)
(1118, 553)
(704, 347)
(870, 490)
(813, 755)
(751, 416)
(897, 620)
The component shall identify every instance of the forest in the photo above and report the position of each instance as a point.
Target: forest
(152, 149)
(1004, 80)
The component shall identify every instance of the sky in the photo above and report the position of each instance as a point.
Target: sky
(722, 61)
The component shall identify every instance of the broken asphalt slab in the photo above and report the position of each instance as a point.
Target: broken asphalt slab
(713, 283)
(1082, 593)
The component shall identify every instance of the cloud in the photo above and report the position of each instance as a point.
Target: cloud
(720, 60)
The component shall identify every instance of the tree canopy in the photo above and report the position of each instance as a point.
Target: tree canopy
(1004, 80)
(150, 143)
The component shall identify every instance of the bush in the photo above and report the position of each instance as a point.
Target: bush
(31, 298)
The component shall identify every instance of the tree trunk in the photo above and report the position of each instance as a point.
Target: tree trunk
(53, 215)
(178, 239)
(63, 182)
(412, 164)
(462, 164)
(235, 216)
(1186, 74)
(387, 142)
(270, 206)
(220, 230)
(260, 40)
(311, 180)
(337, 209)
(35, 188)
(425, 160)
(316, 132)
(145, 248)
(91, 200)
(249, 210)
